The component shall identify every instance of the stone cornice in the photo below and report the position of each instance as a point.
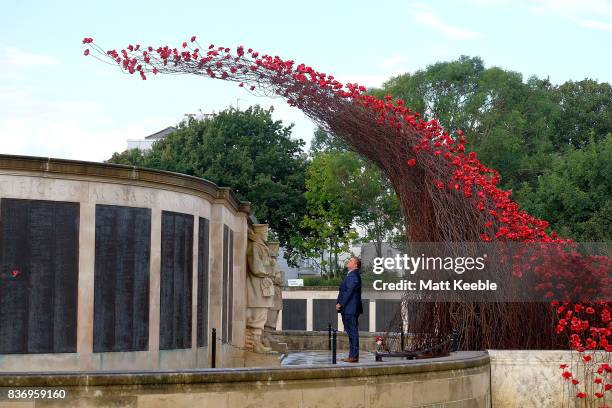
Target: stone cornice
(120, 174)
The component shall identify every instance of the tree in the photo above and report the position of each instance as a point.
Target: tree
(132, 157)
(585, 106)
(245, 150)
(332, 204)
(531, 131)
(325, 142)
(345, 192)
(575, 196)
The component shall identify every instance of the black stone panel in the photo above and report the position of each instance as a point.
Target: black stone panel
(387, 310)
(203, 274)
(323, 313)
(228, 282)
(230, 287)
(176, 280)
(364, 319)
(294, 314)
(121, 278)
(39, 244)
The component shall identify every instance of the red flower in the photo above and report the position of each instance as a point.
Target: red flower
(411, 162)
(184, 44)
(581, 395)
(575, 381)
(566, 375)
(598, 395)
(87, 40)
(563, 366)
(193, 38)
(86, 52)
(587, 358)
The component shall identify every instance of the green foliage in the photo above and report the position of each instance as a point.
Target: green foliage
(345, 192)
(586, 106)
(322, 281)
(325, 142)
(549, 143)
(575, 195)
(332, 201)
(131, 157)
(245, 150)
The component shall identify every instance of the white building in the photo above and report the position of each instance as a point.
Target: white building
(146, 143)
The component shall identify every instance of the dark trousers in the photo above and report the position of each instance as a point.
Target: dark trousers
(351, 327)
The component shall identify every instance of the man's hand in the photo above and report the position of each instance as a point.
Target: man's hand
(338, 306)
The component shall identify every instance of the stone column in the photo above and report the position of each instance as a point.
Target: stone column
(372, 315)
(154, 279)
(309, 310)
(85, 303)
(215, 289)
(240, 276)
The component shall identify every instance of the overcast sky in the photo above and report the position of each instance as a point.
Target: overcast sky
(56, 102)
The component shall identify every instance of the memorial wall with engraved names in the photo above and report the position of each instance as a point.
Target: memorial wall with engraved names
(109, 267)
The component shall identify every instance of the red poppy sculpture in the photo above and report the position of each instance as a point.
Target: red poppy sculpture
(447, 196)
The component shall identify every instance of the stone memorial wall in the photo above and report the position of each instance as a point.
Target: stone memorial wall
(107, 267)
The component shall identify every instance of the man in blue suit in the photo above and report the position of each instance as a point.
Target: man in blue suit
(349, 305)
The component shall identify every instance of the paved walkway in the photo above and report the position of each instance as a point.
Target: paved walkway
(321, 357)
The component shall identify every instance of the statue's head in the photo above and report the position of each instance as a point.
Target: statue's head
(261, 231)
(273, 247)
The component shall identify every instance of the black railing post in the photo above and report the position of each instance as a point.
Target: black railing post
(214, 348)
(334, 340)
(329, 336)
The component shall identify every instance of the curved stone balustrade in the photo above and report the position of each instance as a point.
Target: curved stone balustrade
(461, 380)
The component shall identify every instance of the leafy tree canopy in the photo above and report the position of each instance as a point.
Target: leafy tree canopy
(245, 150)
(549, 142)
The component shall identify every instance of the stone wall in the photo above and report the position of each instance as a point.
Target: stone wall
(528, 378)
(313, 308)
(460, 381)
(101, 199)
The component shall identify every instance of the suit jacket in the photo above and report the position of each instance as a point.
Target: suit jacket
(350, 294)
